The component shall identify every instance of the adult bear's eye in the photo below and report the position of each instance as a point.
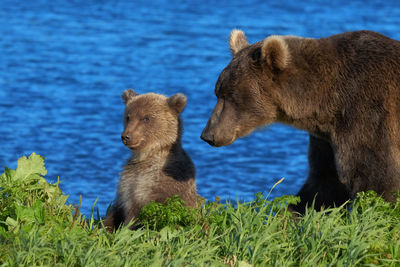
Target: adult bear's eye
(127, 119)
(229, 98)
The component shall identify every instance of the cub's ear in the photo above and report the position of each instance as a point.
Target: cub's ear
(237, 41)
(127, 95)
(275, 52)
(177, 102)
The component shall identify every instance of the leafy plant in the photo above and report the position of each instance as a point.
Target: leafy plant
(173, 213)
(24, 193)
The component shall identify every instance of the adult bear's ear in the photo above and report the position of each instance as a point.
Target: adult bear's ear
(237, 41)
(128, 95)
(275, 52)
(177, 102)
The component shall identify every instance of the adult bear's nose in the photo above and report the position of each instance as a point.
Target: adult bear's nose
(125, 138)
(209, 138)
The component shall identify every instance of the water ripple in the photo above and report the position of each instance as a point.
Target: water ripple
(63, 66)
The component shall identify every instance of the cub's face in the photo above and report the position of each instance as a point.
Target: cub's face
(151, 121)
(245, 89)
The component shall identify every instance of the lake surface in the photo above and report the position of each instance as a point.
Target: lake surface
(64, 65)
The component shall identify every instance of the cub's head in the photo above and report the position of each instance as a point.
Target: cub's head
(246, 88)
(151, 120)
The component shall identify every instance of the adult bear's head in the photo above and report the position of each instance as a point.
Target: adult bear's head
(247, 88)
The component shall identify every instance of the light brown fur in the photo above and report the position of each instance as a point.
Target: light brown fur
(237, 41)
(159, 167)
(276, 51)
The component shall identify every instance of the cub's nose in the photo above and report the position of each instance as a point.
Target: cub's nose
(125, 138)
(209, 138)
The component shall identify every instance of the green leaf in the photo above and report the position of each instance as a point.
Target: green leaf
(33, 214)
(6, 176)
(34, 165)
(244, 264)
(24, 214)
(11, 223)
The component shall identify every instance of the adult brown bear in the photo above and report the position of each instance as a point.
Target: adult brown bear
(344, 90)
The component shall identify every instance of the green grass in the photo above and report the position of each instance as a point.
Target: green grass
(37, 227)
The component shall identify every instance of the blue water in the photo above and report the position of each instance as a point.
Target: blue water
(64, 65)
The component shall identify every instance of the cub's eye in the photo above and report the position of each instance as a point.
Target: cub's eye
(146, 119)
(127, 119)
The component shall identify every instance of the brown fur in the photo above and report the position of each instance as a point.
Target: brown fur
(159, 167)
(344, 90)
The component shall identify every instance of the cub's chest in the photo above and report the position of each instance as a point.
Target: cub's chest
(135, 186)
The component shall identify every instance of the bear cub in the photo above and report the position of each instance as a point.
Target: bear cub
(159, 167)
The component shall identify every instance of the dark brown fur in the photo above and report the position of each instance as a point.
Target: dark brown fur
(344, 90)
(159, 167)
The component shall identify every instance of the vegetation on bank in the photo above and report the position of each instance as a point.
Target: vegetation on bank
(39, 227)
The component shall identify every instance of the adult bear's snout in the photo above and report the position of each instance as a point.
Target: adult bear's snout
(209, 138)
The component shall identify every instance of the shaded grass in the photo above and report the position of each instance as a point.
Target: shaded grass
(37, 227)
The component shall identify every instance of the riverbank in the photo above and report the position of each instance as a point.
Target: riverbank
(39, 227)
